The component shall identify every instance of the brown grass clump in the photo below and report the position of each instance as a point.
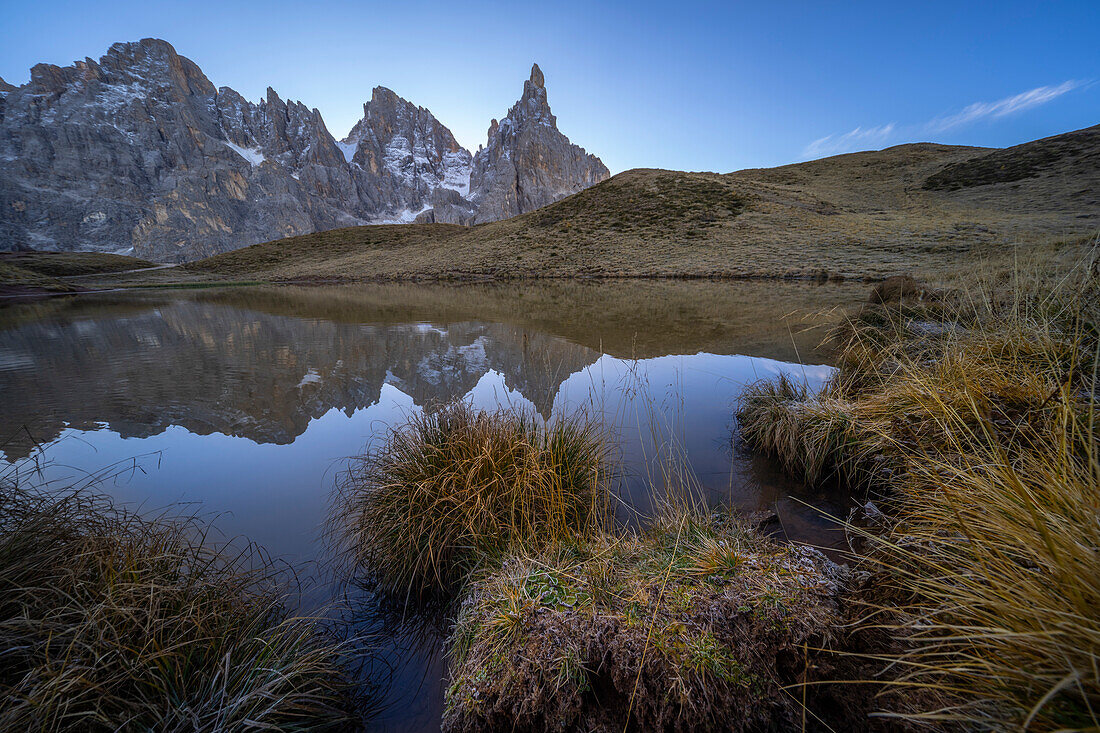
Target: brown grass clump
(113, 622)
(812, 435)
(456, 488)
(999, 550)
(979, 428)
(697, 624)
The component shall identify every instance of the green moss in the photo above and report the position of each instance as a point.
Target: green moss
(709, 657)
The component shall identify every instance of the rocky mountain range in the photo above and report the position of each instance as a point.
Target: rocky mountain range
(140, 153)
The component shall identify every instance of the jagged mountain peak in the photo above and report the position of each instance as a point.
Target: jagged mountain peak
(155, 60)
(533, 105)
(384, 95)
(527, 162)
(139, 152)
(157, 46)
(408, 155)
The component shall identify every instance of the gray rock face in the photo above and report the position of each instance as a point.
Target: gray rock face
(140, 153)
(410, 159)
(527, 163)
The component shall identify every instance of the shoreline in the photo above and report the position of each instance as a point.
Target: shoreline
(28, 293)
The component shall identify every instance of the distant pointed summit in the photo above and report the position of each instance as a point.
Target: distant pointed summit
(408, 160)
(527, 162)
(537, 79)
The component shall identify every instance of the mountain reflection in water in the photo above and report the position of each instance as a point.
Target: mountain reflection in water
(249, 400)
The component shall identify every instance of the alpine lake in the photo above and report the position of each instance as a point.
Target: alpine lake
(246, 404)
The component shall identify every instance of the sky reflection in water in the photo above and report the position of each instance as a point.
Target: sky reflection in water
(249, 402)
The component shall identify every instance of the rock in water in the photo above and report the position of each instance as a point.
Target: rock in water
(527, 162)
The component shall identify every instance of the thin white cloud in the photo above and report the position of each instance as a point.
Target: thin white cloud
(863, 138)
(858, 139)
(1003, 107)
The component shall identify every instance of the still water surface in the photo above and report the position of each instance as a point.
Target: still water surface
(248, 402)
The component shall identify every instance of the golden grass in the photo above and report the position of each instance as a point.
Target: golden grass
(111, 622)
(814, 438)
(457, 488)
(1000, 552)
(975, 418)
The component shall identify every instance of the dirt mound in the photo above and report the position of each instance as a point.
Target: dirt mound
(895, 289)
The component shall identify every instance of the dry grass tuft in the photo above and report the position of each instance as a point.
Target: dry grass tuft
(978, 424)
(812, 435)
(110, 622)
(999, 548)
(456, 488)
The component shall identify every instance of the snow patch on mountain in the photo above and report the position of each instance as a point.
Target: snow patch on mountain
(117, 96)
(347, 147)
(405, 216)
(457, 167)
(255, 156)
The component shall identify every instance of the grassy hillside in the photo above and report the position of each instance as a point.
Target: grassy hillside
(15, 279)
(46, 271)
(1074, 154)
(73, 264)
(915, 207)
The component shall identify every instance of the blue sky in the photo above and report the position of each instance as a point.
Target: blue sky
(687, 85)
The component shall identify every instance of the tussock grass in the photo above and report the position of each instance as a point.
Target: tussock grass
(696, 622)
(456, 488)
(978, 426)
(999, 550)
(113, 622)
(813, 436)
